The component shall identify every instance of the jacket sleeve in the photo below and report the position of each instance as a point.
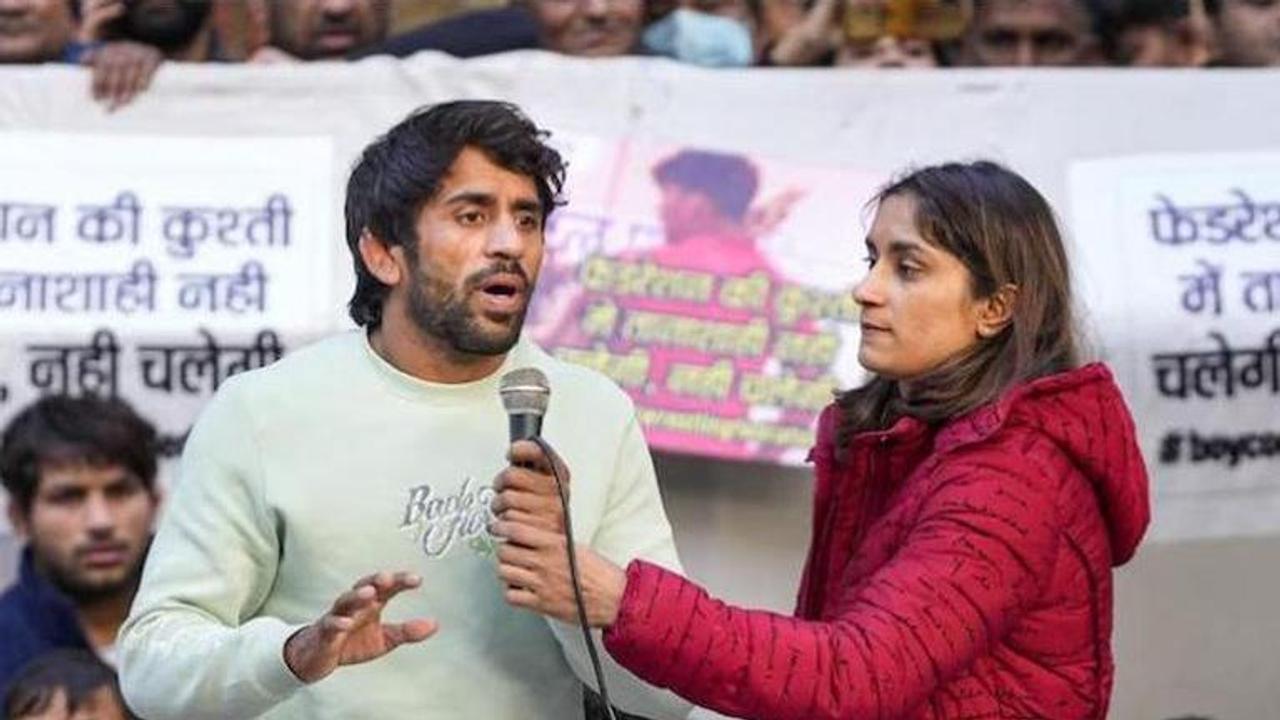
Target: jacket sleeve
(979, 553)
(634, 526)
(192, 646)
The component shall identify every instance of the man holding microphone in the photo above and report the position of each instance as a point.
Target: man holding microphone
(332, 512)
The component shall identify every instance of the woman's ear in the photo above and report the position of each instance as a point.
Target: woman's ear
(996, 311)
(380, 260)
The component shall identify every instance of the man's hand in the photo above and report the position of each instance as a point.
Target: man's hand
(121, 70)
(526, 490)
(95, 16)
(534, 565)
(352, 632)
(808, 41)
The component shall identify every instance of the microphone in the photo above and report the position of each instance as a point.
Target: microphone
(525, 394)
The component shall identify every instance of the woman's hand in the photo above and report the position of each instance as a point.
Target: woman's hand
(535, 567)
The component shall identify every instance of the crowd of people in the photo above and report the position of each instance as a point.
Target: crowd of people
(124, 42)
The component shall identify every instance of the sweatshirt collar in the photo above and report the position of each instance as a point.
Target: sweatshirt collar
(416, 389)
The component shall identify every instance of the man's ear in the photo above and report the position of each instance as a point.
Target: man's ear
(383, 262)
(996, 311)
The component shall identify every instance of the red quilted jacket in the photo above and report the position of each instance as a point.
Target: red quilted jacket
(954, 572)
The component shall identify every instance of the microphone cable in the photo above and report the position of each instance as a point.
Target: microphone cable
(573, 576)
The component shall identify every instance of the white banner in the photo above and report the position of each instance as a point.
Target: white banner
(164, 233)
(153, 268)
(180, 152)
(1181, 274)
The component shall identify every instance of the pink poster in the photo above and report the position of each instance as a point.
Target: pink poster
(714, 287)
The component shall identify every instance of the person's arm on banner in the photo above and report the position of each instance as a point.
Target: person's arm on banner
(961, 579)
(121, 69)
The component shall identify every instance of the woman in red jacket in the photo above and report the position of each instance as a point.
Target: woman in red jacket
(971, 499)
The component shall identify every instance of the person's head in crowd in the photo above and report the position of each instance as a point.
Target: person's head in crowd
(705, 194)
(897, 33)
(35, 31)
(713, 33)
(1028, 33)
(446, 216)
(1246, 32)
(173, 29)
(327, 29)
(589, 28)
(178, 28)
(81, 478)
(1158, 33)
(65, 684)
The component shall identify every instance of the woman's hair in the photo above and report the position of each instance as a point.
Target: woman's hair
(1004, 232)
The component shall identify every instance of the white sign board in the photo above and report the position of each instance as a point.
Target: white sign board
(163, 233)
(1179, 265)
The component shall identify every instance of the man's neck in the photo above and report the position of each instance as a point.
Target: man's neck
(101, 618)
(414, 353)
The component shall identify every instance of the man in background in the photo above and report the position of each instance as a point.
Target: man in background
(319, 29)
(585, 28)
(36, 31)
(1246, 32)
(589, 28)
(80, 474)
(1159, 33)
(334, 505)
(1035, 33)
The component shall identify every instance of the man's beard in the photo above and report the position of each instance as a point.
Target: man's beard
(441, 312)
(84, 591)
(170, 27)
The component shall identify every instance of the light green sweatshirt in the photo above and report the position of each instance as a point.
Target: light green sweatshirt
(303, 477)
